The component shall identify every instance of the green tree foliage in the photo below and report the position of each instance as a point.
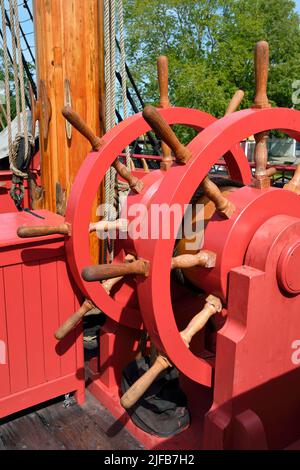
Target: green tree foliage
(210, 44)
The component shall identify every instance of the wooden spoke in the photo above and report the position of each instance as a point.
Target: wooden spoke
(145, 165)
(107, 225)
(134, 183)
(78, 123)
(163, 83)
(73, 320)
(261, 58)
(164, 131)
(44, 230)
(261, 101)
(110, 283)
(223, 206)
(234, 102)
(101, 272)
(161, 363)
(294, 184)
(213, 305)
(205, 259)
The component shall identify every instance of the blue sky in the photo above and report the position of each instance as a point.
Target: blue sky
(27, 26)
(297, 5)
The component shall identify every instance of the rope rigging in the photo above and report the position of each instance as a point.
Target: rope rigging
(21, 148)
(114, 189)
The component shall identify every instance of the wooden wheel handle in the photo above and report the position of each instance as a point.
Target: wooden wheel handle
(235, 102)
(224, 207)
(164, 131)
(294, 184)
(96, 143)
(80, 125)
(44, 230)
(136, 391)
(261, 58)
(163, 83)
(261, 101)
(204, 258)
(101, 272)
(73, 320)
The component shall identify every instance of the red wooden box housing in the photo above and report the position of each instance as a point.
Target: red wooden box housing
(36, 295)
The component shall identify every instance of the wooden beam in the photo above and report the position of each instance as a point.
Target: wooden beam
(69, 45)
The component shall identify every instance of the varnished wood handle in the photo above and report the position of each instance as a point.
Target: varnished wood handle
(145, 165)
(212, 306)
(294, 184)
(110, 283)
(205, 259)
(261, 57)
(261, 101)
(138, 389)
(96, 143)
(235, 102)
(76, 121)
(261, 154)
(107, 225)
(163, 81)
(271, 171)
(164, 131)
(225, 207)
(101, 272)
(73, 320)
(134, 183)
(44, 230)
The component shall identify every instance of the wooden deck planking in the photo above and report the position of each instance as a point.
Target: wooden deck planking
(86, 427)
(28, 433)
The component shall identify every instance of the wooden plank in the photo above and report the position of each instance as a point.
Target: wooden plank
(2, 446)
(120, 438)
(28, 432)
(4, 369)
(90, 427)
(68, 46)
(33, 323)
(74, 428)
(13, 286)
(50, 318)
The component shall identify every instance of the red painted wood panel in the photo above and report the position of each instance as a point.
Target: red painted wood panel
(43, 392)
(33, 323)
(66, 306)
(13, 286)
(36, 295)
(30, 252)
(4, 369)
(49, 297)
